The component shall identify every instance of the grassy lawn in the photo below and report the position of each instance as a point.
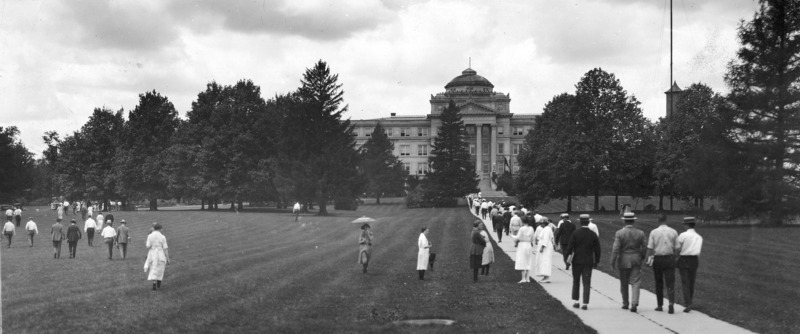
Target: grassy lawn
(262, 272)
(748, 276)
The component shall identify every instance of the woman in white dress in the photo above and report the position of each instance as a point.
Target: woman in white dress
(424, 253)
(488, 251)
(157, 256)
(545, 244)
(524, 238)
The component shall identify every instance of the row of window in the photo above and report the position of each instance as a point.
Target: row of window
(425, 132)
(422, 168)
(501, 149)
(405, 150)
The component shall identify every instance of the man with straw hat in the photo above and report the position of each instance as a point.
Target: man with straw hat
(627, 256)
(689, 246)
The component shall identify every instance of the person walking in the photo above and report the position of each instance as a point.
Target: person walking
(498, 223)
(101, 219)
(689, 244)
(507, 215)
(10, 214)
(90, 227)
(545, 244)
(627, 256)
(661, 255)
(365, 246)
(66, 206)
(157, 256)
(110, 217)
(123, 237)
(584, 248)
(484, 209)
(109, 234)
(89, 209)
(84, 212)
(18, 216)
(60, 212)
(57, 234)
(296, 210)
(424, 252)
(32, 229)
(73, 235)
(564, 232)
(524, 240)
(516, 223)
(476, 249)
(488, 251)
(8, 230)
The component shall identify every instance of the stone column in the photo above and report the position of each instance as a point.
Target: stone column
(478, 149)
(493, 148)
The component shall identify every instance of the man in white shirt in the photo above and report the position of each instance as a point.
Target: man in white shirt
(689, 245)
(296, 210)
(109, 234)
(66, 207)
(9, 214)
(661, 256)
(89, 228)
(32, 229)
(537, 217)
(8, 231)
(18, 216)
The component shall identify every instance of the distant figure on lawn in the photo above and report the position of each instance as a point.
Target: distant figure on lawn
(689, 246)
(564, 232)
(57, 234)
(488, 251)
(584, 246)
(424, 253)
(365, 246)
(661, 255)
(524, 240)
(18, 215)
(8, 230)
(627, 256)
(109, 235)
(90, 227)
(507, 215)
(9, 214)
(84, 212)
(545, 242)
(476, 249)
(60, 212)
(32, 229)
(296, 210)
(123, 238)
(73, 235)
(157, 256)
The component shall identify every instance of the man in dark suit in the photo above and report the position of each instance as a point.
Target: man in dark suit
(499, 225)
(627, 256)
(507, 219)
(584, 246)
(563, 233)
(476, 250)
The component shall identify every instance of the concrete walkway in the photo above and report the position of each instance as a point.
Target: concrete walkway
(605, 314)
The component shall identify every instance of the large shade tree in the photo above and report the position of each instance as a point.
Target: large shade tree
(765, 90)
(16, 165)
(452, 174)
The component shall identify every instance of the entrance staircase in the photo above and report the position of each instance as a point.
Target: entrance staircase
(486, 187)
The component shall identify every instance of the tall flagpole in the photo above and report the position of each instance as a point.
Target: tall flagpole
(670, 45)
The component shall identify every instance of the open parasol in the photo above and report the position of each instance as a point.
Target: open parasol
(363, 219)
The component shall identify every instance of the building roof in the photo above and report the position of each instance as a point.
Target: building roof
(469, 78)
(674, 88)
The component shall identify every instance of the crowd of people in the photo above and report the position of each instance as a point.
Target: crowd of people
(120, 237)
(536, 239)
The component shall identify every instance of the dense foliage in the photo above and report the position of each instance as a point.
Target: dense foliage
(382, 171)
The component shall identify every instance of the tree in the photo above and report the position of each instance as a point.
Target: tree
(141, 158)
(765, 90)
(381, 169)
(16, 164)
(316, 147)
(452, 174)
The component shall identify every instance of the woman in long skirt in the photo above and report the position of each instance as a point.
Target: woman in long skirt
(523, 259)
(157, 256)
(488, 251)
(544, 250)
(365, 246)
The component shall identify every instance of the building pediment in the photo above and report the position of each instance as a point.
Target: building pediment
(470, 107)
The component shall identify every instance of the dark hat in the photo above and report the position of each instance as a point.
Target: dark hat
(629, 216)
(73, 221)
(584, 217)
(689, 220)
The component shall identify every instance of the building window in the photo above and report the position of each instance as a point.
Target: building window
(485, 148)
(514, 167)
(422, 168)
(405, 132)
(422, 149)
(472, 149)
(501, 129)
(389, 132)
(516, 148)
(485, 166)
(501, 148)
(470, 130)
(405, 150)
(517, 131)
(407, 166)
(367, 132)
(423, 132)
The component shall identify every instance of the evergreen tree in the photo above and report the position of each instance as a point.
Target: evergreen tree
(381, 169)
(765, 90)
(16, 165)
(452, 173)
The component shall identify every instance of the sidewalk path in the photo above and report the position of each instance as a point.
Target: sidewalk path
(605, 314)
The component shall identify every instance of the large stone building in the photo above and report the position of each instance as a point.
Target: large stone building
(495, 135)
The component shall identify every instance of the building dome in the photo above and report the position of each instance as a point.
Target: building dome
(469, 78)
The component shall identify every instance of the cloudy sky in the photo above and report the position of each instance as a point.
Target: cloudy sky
(61, 59)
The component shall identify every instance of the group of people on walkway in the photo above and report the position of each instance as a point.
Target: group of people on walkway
(156, 244)
(536, 239)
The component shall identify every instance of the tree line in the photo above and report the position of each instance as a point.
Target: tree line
(743, 148)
